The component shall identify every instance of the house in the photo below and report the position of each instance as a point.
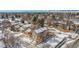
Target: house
(76, 23)
(38, 34)
(41, 34)
(6, 24)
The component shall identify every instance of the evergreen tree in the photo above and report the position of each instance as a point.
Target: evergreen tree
(34, 19)
(13, 18)
(41, 23)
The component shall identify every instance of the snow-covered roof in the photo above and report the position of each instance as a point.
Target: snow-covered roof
(76, 21)
(1, 35)
(1, 20)
(18, 19)
(48, 29)
(27, 25)
(26, 22)
(59, 21)
(40, 30)
(5, 21)
(28, 30)
(21, 29)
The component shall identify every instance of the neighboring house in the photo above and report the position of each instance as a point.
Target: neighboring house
(6, 24)
(58, 23)
(76, 23)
